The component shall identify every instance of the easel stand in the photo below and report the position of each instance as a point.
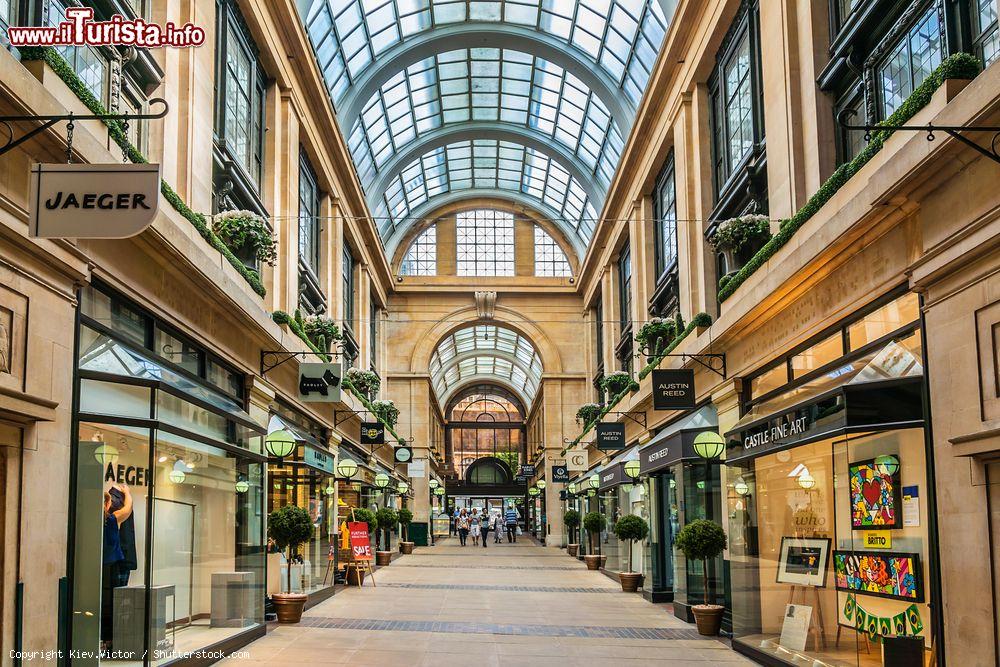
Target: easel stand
(358, 563)
(817, 629)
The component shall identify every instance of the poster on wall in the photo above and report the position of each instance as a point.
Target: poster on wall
(803, 561)
(876, 503)
(896, 576)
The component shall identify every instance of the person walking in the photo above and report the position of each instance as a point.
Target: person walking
(496, 522)
(475, 526)
(485, 522)
(510, 519)
(462, 526)
(454, 522)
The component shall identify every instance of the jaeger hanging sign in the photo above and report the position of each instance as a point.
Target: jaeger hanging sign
(92, 201)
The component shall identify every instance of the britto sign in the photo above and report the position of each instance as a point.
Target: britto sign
(80, 29)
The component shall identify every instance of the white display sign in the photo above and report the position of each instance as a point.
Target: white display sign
(795, 627)
(319, 383)
(577, 459)
(92, 201)
(417, 468)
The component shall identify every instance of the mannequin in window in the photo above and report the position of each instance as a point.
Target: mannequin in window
(126, 534)
(112, 559)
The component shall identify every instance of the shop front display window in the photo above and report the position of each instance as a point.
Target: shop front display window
(312, 565)
(829, 542)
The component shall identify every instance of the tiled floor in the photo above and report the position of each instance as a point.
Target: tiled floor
(509, 604)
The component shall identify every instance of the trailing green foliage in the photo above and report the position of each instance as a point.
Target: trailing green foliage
(618, 382)
(116, 131)
(295, 326)
(588, 412)
(737, 234)
(571, 518)
(246, 229)
(699, 320)
(367, 382)
(321, 330)
(594, 522)
(386, 411)
(631, 528)
(657, 330)
(958, 66)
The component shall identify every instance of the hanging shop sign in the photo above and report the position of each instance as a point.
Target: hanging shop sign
(610, 436)
(417, 468)
(613, 476)
(317, 459)
(673, 389)
(319, 383)
(403, 454)
(560, 473)
(577, 459)
(92, 201)
(372, 433)
(527, 470)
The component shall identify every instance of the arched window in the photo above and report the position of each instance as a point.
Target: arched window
(550, 260)
(421, 259)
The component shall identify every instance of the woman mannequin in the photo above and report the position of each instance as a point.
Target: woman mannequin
(112, 559)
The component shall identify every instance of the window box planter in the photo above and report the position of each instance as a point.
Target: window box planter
(655, 335)
(588, 413)
(248, 237)
(617, 382)
(738, 239)
(367, 382)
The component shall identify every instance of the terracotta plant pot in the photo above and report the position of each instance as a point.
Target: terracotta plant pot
(383, 558)
(571, 549)
(593, 561)
(708, 618)
(289, 606)
(604, 560)
(406, 547)
(354, 575)
(630, 581)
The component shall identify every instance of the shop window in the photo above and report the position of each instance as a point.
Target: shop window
(421, 258)
(818, 355)
(887, 319)
(485, 245)
(986, 38)
(550, 260)
(115, 315)
(224, 379)
(768, 381)
(910, 61)
(89, 63)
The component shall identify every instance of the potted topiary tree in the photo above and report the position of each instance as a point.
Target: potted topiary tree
(594, 523)
(356, 574)
(631, 528)
(572, 520)
(704, 540)
(289, 527)
(386, 518)
(405, 517)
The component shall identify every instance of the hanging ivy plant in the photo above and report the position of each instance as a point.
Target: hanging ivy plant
(617, 382)
(741, 234)
(367, 382)
(386, 411)
(247, 235)
(321, 330)
(656, 334)
(589, 412)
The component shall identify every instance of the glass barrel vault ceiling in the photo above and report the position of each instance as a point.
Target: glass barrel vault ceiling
(526, 100)
(485, 353)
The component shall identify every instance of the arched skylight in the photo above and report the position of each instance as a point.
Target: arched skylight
(550, 260)
(557, 81)
(486, 352)
(421, 258)
(483, 164)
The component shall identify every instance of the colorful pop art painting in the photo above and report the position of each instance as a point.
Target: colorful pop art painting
(887, 575)
(876, 503)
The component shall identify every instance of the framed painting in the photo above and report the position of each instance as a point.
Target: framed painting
(876, 500)
(803, 561)
(896, 576)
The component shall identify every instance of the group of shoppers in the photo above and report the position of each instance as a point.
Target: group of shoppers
(478, 525)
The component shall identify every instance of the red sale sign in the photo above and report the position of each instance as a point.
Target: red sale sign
(360, 545)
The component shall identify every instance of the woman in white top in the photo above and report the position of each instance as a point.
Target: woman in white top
(474, 525)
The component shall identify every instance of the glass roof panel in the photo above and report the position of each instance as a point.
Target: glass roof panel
(486, 350)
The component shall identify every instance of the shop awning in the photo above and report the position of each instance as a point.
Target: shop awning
(313, 453)
(675, 443)
(877, 392)
(613, 473)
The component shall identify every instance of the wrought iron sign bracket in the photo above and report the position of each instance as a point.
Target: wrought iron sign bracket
(271, 359)
(634, 416)
(954, 131)
(10, 143)
(713, 362)
(341, 416)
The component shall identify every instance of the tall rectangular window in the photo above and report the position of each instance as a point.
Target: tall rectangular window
(240, 94)
(665, 212)
(984, 29)
(485, 243)
(348, 287)
(373, 336)
(599, 334)
(309, 228)
(733, 100)
(910, 61)
(550, 260)
(625, 287)
(88, 62)
(421, 258)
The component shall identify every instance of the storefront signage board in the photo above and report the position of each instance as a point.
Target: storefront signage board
(677, 447)
(559, 473)
(319, 383)
(403, 454)
(613, 476)
(610, 437)
(92, 201)
(417, 468)
(880, 539)
(314, 458)
(577, 459)
(527, 470)
(673, 389)
(361, 547)
(782, 432)
(372, 433)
